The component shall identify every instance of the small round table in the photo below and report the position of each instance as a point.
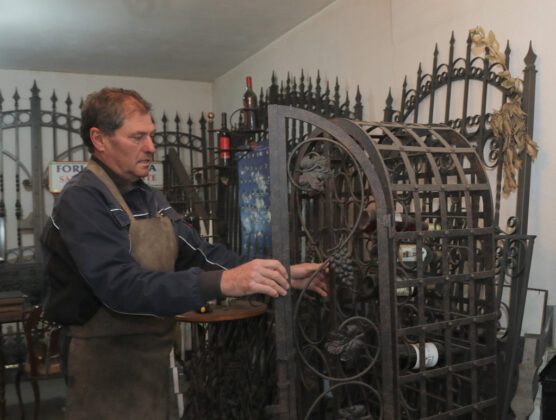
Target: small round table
(225, 362)
(235, 310)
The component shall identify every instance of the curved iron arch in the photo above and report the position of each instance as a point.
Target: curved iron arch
(359, 142)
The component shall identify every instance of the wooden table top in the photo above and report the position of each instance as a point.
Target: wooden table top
(12, 313)
(235, 310)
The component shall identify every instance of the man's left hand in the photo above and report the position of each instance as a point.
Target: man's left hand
(301, 274)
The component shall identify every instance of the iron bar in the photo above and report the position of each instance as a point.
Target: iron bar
(280, 246)
(524, 174)
(37, 169)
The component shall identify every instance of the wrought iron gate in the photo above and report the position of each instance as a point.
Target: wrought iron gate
(29, 139)
(402, 215)
(456, 84)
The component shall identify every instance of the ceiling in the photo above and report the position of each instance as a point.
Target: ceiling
(172, 39)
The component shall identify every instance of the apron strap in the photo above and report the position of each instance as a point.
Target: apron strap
(103, 176)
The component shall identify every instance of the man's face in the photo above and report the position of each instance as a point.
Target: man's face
(129, 151)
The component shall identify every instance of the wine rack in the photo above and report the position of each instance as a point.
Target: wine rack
(401, 216)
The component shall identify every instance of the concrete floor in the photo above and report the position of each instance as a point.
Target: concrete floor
(53, 400)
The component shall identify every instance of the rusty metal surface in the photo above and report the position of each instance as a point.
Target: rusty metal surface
(402, 215)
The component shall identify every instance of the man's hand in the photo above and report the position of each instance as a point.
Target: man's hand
(257, 276)
(301, 274)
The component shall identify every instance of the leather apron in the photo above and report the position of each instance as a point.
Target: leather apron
(118, 363)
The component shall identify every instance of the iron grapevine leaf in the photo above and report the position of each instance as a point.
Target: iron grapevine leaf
(346, 343)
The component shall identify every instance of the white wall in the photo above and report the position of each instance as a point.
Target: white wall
(340, 41)
(374, 43)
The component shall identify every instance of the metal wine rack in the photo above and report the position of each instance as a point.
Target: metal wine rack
(401, 217)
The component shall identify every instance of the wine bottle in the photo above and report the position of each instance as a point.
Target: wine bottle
(407, 253)
(410, 356)
(406, 291)
(402, 222)
(431, 255)
(249, 106)
(224, 142)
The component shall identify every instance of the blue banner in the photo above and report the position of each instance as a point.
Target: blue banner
(254, 201)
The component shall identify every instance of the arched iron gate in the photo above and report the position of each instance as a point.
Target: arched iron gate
(401, 214)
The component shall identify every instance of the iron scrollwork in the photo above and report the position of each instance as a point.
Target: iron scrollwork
(403, 223)
(343, 356)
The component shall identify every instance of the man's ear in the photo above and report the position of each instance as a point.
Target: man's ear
(97, 138)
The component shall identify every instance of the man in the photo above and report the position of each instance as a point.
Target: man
(121, 263)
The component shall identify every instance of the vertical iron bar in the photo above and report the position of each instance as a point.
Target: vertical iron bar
(295, 94)
(3, 244)
(433, 83)
(164, 120)
(484, 90)
(18, 209)
(53, 100)
(189, 140)
(336, 99)
(261, 115)
(68, 122)
(287, 96)
(358, 108)
(528, 106)
(36, 170)
(345, 107)
(203, 126)
(301, 102)
(280, 246)
(318, 97)
(310, 98)
(417, 97)
(212, 182)
(467, 75)
(449, 76)
(273, 91)
(388, 111)
(404, 100)
(326, 107)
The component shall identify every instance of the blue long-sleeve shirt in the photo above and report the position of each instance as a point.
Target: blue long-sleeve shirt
(88, 261)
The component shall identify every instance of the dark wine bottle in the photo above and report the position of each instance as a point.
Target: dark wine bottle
(249, 106)
(404, 292)
(407, 254)
(224, 142)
